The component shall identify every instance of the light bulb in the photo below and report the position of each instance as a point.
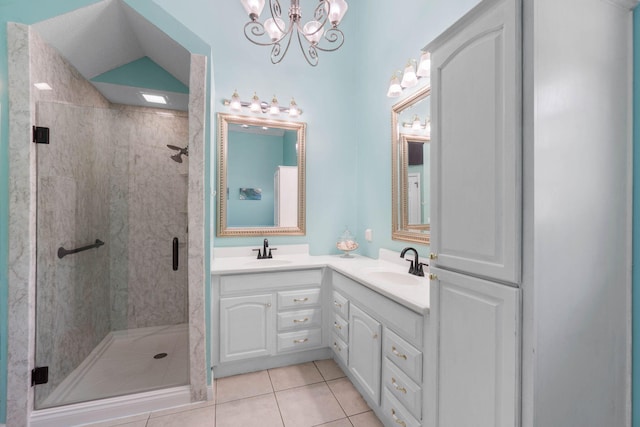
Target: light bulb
(424, 66)
(274, 109)
(313, 31)
(255, 106)
(336, 10)
(394, 87)
(235, 104)
(275, 28)
(253, 8)
(409, 78)
(294, 111)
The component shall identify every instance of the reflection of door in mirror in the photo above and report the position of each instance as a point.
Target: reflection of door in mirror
(415, 200)
(254, 156)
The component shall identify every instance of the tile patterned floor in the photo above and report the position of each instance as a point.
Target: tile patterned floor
(306, 395)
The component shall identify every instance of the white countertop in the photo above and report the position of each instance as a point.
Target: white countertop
(383, 275)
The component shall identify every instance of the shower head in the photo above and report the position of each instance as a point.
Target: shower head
(181, 151)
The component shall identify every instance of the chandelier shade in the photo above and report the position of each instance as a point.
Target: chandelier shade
(319, 33)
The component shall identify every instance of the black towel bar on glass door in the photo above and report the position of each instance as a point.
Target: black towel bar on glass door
(62, 252)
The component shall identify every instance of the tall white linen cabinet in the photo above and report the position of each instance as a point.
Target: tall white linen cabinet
(531, 223)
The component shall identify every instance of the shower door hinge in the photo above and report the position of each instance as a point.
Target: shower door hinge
(39, 375)
(40, 135)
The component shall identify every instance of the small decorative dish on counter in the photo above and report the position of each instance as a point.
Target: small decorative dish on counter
(347, 243)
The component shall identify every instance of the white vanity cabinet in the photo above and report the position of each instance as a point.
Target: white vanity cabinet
(384, 355)
(476, 143)
(269, 313)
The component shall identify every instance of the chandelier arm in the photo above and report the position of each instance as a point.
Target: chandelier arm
(320, 15)
(256, 29)
(276, 12)
(276, 55)
(333, 35)
(312, 54)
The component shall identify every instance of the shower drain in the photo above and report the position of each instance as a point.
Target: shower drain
(160, 356)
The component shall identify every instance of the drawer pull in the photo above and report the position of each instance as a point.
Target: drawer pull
(300, 341)
(305, 299)
(335, 325)
(397, 387)
(337, 304)
(336, 346)
(306, 319)
(396, 419)
(400, 355)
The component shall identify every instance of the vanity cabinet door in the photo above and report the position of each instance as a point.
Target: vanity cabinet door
(365, 351)
(476, 144)
(247, 327)
(477, 327)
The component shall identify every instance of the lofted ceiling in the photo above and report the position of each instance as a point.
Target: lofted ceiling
(107, 35)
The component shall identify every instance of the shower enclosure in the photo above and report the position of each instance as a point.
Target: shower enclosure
(111, 267)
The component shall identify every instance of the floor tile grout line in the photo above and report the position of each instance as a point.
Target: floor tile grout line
(275, 397)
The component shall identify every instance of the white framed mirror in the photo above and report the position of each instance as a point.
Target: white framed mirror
(410, 173)
(261, 176)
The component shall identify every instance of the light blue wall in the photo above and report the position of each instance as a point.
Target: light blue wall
(387, 38)
(636, 220)
(142, 73)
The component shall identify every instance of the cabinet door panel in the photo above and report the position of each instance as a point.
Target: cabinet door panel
(476, 146)
(246, 327)
(477, 356)
(365, 351)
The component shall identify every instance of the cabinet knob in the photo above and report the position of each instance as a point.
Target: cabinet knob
(433, 276)
(335, 325)
(337, 304)
(396, 419)
(268, 304)
(433, 255)
(336, 346)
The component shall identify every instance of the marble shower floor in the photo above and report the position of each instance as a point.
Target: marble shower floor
(124, 363)
(306, 395)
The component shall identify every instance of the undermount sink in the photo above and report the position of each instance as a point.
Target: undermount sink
(267, 262)
(394, 277)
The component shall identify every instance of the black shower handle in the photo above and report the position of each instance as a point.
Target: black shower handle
(175, 254)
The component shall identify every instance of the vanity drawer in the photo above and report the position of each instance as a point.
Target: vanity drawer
(396, 412)
(301, 298)
(403, 388)
(340, 327)
(340, 305)
(341, 349)
(299, 340)
(300, 319)
(403, 354)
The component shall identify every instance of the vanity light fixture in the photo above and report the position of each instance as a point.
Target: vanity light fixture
(410, 76)
(257, 106)
(416, 124)
(274, 30)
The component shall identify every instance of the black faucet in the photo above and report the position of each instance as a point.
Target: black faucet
(264, 254)
(416, 266)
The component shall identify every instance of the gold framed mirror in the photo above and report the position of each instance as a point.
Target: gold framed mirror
(261, 176)
(410, 172)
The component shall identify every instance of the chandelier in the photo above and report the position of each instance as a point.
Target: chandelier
(276, 33)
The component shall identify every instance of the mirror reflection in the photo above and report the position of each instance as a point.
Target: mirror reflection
(411, 134)
(260, 176)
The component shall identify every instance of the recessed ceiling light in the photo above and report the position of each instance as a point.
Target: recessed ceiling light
(156, 99)
(42, 86)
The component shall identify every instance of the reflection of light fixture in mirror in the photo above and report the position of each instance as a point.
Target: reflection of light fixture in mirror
(257, 106)
(410, 76)
(416, 124)
(276, 30)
